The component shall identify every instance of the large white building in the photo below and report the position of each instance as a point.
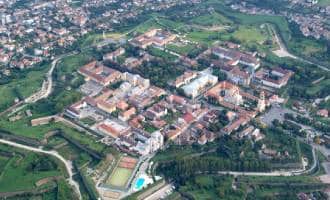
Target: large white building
(135, 80)
(204, 79)
(233, 96)
(151, 144)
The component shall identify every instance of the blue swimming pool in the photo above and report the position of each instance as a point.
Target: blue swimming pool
(139, 183)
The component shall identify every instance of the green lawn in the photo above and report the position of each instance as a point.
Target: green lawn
(3, 162)
(16, 176)
(270, 187)
(212, 187)
(203, 36)
(221, 187)
(308, 47)
(162, 54)
(314, 89)
(168, 24)
(93, 39)
(72, 63)
(147, 25)
(250, 34)
(89, 121)
(55, 140)
(22, 87)
(32, 82)
(23, 128)
(71, 152)
(157, 21)
(173, 152)
(211, 20)
(182, 50)
(82, 138)
(119, 177)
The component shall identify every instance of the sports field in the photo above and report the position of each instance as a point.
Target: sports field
(120, 176)
(123, 172)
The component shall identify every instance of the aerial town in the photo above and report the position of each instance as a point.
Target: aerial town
(138, 117)
(164, 99)
(57, 25)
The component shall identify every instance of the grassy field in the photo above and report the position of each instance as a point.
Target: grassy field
(23, 128)
(268, 187)
(70, 152)
(22, 87)
(119, 177)
(247, 187)
(173, 152)
(72, 63)
(308, 47)
(204, 36)
(211, 187)
(162, 54)
(16, 177)
(93, 39)
(250, 34)
(211, 20)
(145, 26)
(182, 50)
(157, 21)
(314, 89)
(168, 24)
(3, 162)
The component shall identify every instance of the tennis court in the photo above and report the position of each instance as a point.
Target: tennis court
(119, 177)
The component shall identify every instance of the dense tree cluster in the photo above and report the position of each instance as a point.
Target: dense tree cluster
(160, 72)
(40, 164)
(229, 155)
(309, 122)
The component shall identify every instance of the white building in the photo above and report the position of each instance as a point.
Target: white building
(233, 96)
(194, 88)
(136, 80)
(152, 144)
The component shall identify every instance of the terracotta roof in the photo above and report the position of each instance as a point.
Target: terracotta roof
(188, 117)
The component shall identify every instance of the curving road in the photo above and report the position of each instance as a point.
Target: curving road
(276, 173)
(47, 84)
(68, 164)
(283, 52)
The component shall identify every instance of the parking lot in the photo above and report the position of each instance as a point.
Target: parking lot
(276, 112)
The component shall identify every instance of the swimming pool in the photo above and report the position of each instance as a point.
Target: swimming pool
(139, 183)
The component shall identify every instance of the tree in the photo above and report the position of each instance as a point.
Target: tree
(221, 75)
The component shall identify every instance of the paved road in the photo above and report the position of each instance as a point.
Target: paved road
(277, 173)
(162, 192)
(283, 52)
(47, 84)
(68, 164)
(326, 165)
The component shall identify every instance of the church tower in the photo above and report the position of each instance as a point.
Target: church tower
(261, 102)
